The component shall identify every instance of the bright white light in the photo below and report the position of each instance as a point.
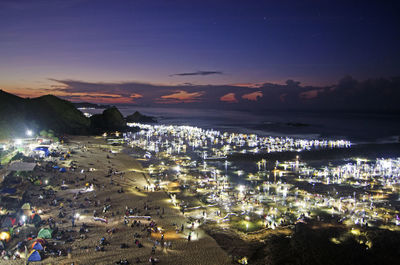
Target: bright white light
(23, 218)
(241, 188)
(29, 132)
(77, 215)
(46, 181)
(18, 141)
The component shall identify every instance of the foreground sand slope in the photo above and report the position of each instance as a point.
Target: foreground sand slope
(90, 152)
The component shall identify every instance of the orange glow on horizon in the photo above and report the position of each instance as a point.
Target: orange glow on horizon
(230, 98)
(253, 96)
(77, 96)
(249, 85)
(181, 96)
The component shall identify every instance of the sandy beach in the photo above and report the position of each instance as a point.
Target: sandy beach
(94, 157)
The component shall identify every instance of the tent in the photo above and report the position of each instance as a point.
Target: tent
(34, 256)
(56, 167)
(9, 222)
(43, 149)
(62, 170)
(45, 233)
(36, 245)
(35, 218)
(26, 206)
(22, 166)
(40, 240)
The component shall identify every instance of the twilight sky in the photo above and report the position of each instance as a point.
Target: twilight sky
(182, 50)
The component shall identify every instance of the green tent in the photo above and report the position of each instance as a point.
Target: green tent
(26, 206)
(45, 233)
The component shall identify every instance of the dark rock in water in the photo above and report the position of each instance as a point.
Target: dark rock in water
(138, 117)
(114, 118)
(110, 120)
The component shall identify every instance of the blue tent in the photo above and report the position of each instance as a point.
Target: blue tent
(56, 167)
(63, 169)
(34, 256)
(37, 246)
(43, 149)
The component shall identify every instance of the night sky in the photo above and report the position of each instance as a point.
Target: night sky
(121, 51)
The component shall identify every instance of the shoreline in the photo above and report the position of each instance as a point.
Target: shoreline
(211, 243)
(372, 151)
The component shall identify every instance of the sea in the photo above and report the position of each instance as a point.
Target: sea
(358, 127)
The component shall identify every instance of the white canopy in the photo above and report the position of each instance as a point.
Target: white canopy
(22, 166)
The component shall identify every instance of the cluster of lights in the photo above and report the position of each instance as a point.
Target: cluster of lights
(215, 144)
(266, 197)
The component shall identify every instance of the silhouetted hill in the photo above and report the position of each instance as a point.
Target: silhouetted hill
(138, 117)
(12, 114)
(50, 112)
(42, 113)
(110, 120)
(59, 115)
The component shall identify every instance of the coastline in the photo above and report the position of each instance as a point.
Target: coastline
(220, 244)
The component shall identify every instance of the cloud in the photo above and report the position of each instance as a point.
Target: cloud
(230, 98)
(311, 93)
(254, 96)
(181, 96)
(348, 93)
(199, 73)
(250, 85)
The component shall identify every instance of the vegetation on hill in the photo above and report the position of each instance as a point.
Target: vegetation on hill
(60, 115)
(17, 115)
